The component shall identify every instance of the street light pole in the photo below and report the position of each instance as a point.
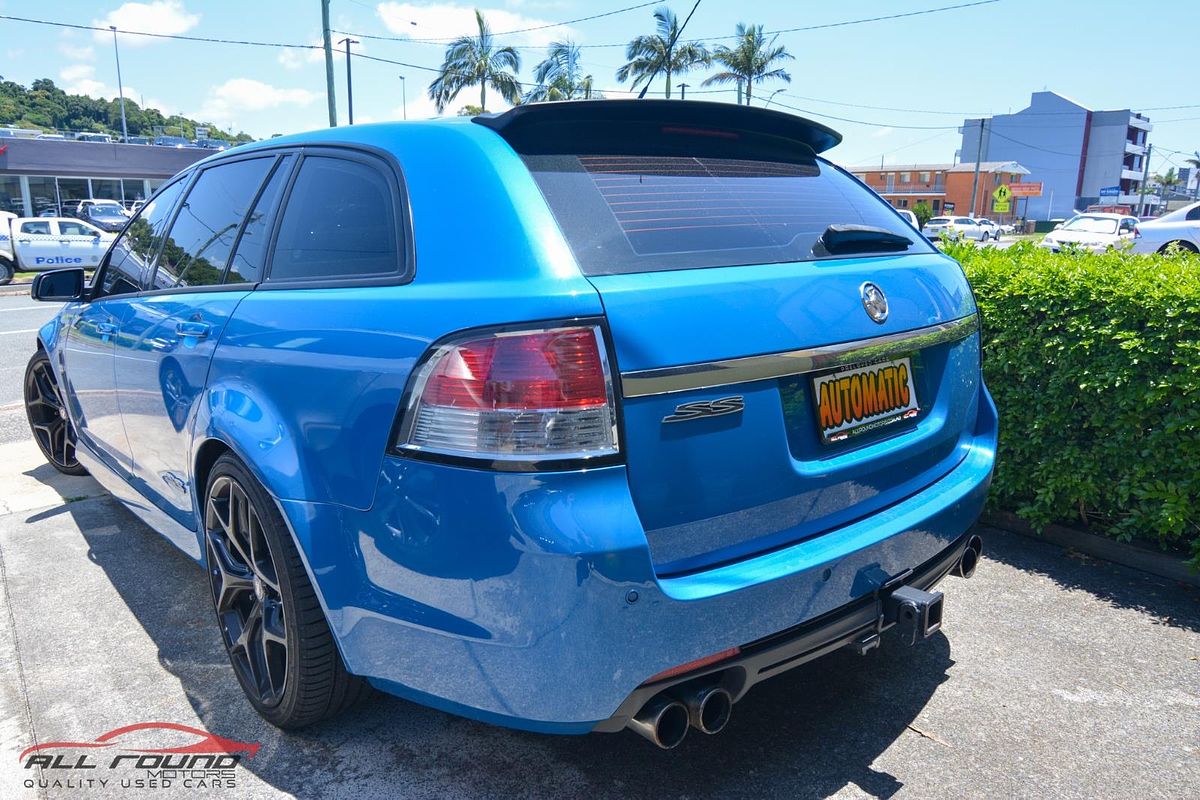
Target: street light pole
(327, 43)
(404, 96)
(349, 86)
(120, 85)
(772, 97)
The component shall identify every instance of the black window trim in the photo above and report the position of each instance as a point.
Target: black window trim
(386, 165)
(277, 155)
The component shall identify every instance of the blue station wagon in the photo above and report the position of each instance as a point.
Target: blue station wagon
(581, 417)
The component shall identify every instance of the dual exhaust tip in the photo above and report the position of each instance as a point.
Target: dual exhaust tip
(965, 567)
(665, 720)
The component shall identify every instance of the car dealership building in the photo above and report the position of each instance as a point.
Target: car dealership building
(41, 174)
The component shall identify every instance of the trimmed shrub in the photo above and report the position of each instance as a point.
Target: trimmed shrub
(1094, 362)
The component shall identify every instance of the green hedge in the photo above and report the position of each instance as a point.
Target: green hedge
(1094, 362)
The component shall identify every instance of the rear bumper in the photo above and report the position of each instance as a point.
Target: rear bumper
(531, 600)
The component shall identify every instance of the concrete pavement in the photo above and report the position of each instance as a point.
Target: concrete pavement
(1054, 677)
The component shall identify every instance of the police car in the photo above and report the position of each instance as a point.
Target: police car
(33, 244)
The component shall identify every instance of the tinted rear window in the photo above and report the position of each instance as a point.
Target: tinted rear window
(625, 213)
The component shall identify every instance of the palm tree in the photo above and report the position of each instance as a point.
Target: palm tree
(1194, 163)
(559, 76)
(751, 60)
(661, 52)
(1165, 183)
(476, 60)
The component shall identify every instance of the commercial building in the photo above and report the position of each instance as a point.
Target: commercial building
(40, 174)
(946, 188)
(1073, 150)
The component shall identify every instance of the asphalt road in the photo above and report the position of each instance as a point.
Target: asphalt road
(1054, 676)
(20, 318)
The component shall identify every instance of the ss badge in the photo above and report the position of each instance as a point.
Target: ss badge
(707, 408)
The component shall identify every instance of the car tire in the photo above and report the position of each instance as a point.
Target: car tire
(270, 620)
(7, 271)
(1177, 246)
(48, 419)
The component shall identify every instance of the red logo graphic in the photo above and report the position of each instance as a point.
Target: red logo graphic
(120, 739)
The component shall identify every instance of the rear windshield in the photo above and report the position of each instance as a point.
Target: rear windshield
(939, 221)
(623, 213)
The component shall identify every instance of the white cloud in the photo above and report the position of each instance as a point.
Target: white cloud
(77, 52)
(161, 16)
(239, 96)
(446, 21)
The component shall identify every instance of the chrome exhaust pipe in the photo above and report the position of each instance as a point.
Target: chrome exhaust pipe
(965, 567)
(709, 708)
(663, 721)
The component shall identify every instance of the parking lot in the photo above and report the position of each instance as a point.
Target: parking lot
(1055, 676)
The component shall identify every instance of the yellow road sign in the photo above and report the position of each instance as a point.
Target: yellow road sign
(1002, 199)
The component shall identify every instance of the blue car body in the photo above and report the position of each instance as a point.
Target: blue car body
(539, 598)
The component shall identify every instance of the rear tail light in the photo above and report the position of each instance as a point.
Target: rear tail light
(522, 396)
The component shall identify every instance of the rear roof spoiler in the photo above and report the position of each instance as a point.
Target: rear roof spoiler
(553, 127)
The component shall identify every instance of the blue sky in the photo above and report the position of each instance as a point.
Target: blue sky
(906, 82)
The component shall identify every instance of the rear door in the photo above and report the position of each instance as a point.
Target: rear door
(773, 389)
(168, 334)
(36, 245)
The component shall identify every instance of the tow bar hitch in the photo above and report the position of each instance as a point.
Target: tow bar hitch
(917, 614)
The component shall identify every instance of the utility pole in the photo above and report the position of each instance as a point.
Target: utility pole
(330, 99)
(1145, 180)
(349, 86)
(683, 91)
(978, 159)
(404, 96)
(120, 86)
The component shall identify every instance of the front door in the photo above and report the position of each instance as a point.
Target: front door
(82, 243)
(88, 355)
(168, 337)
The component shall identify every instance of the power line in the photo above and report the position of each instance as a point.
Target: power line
(823, 26)
(158, 35)
(442, 40)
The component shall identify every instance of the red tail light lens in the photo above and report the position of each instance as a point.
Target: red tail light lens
(516, 395)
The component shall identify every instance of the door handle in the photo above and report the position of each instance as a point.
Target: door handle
(198, 330)
(106, 328)
(24, 241)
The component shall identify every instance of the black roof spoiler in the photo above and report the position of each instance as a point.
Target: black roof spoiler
(528, 127)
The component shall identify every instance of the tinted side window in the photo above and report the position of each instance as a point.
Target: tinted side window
(339, 222)
(251, 255)
(75, 229)
(129, 259)
(1194, 214)
(39, 228)
(202, 236)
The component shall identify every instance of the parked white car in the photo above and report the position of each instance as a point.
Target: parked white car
(41, 243)
(991, 228)
(955, 228)
(1179, 229)
(909, 217)
(1097, 232)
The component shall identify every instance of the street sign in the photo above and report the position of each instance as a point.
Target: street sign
(947, 208)
(1002, 199)
(1031, 189)
(1110, 191)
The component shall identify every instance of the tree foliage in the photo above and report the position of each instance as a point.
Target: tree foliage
(661, 52)
(559, 76)
(1094, 363)
(477, 61)
(922, 212)
(751, 60)
(47, 107)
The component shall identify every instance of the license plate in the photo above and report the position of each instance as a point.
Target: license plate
(863, 398)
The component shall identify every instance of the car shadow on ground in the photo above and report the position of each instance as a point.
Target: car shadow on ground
(1168, 602)
(807, 733)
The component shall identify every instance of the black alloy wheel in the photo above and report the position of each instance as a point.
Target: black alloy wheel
(272, 625)
(47, 414)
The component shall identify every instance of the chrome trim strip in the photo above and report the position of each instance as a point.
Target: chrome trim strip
(712, 374)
